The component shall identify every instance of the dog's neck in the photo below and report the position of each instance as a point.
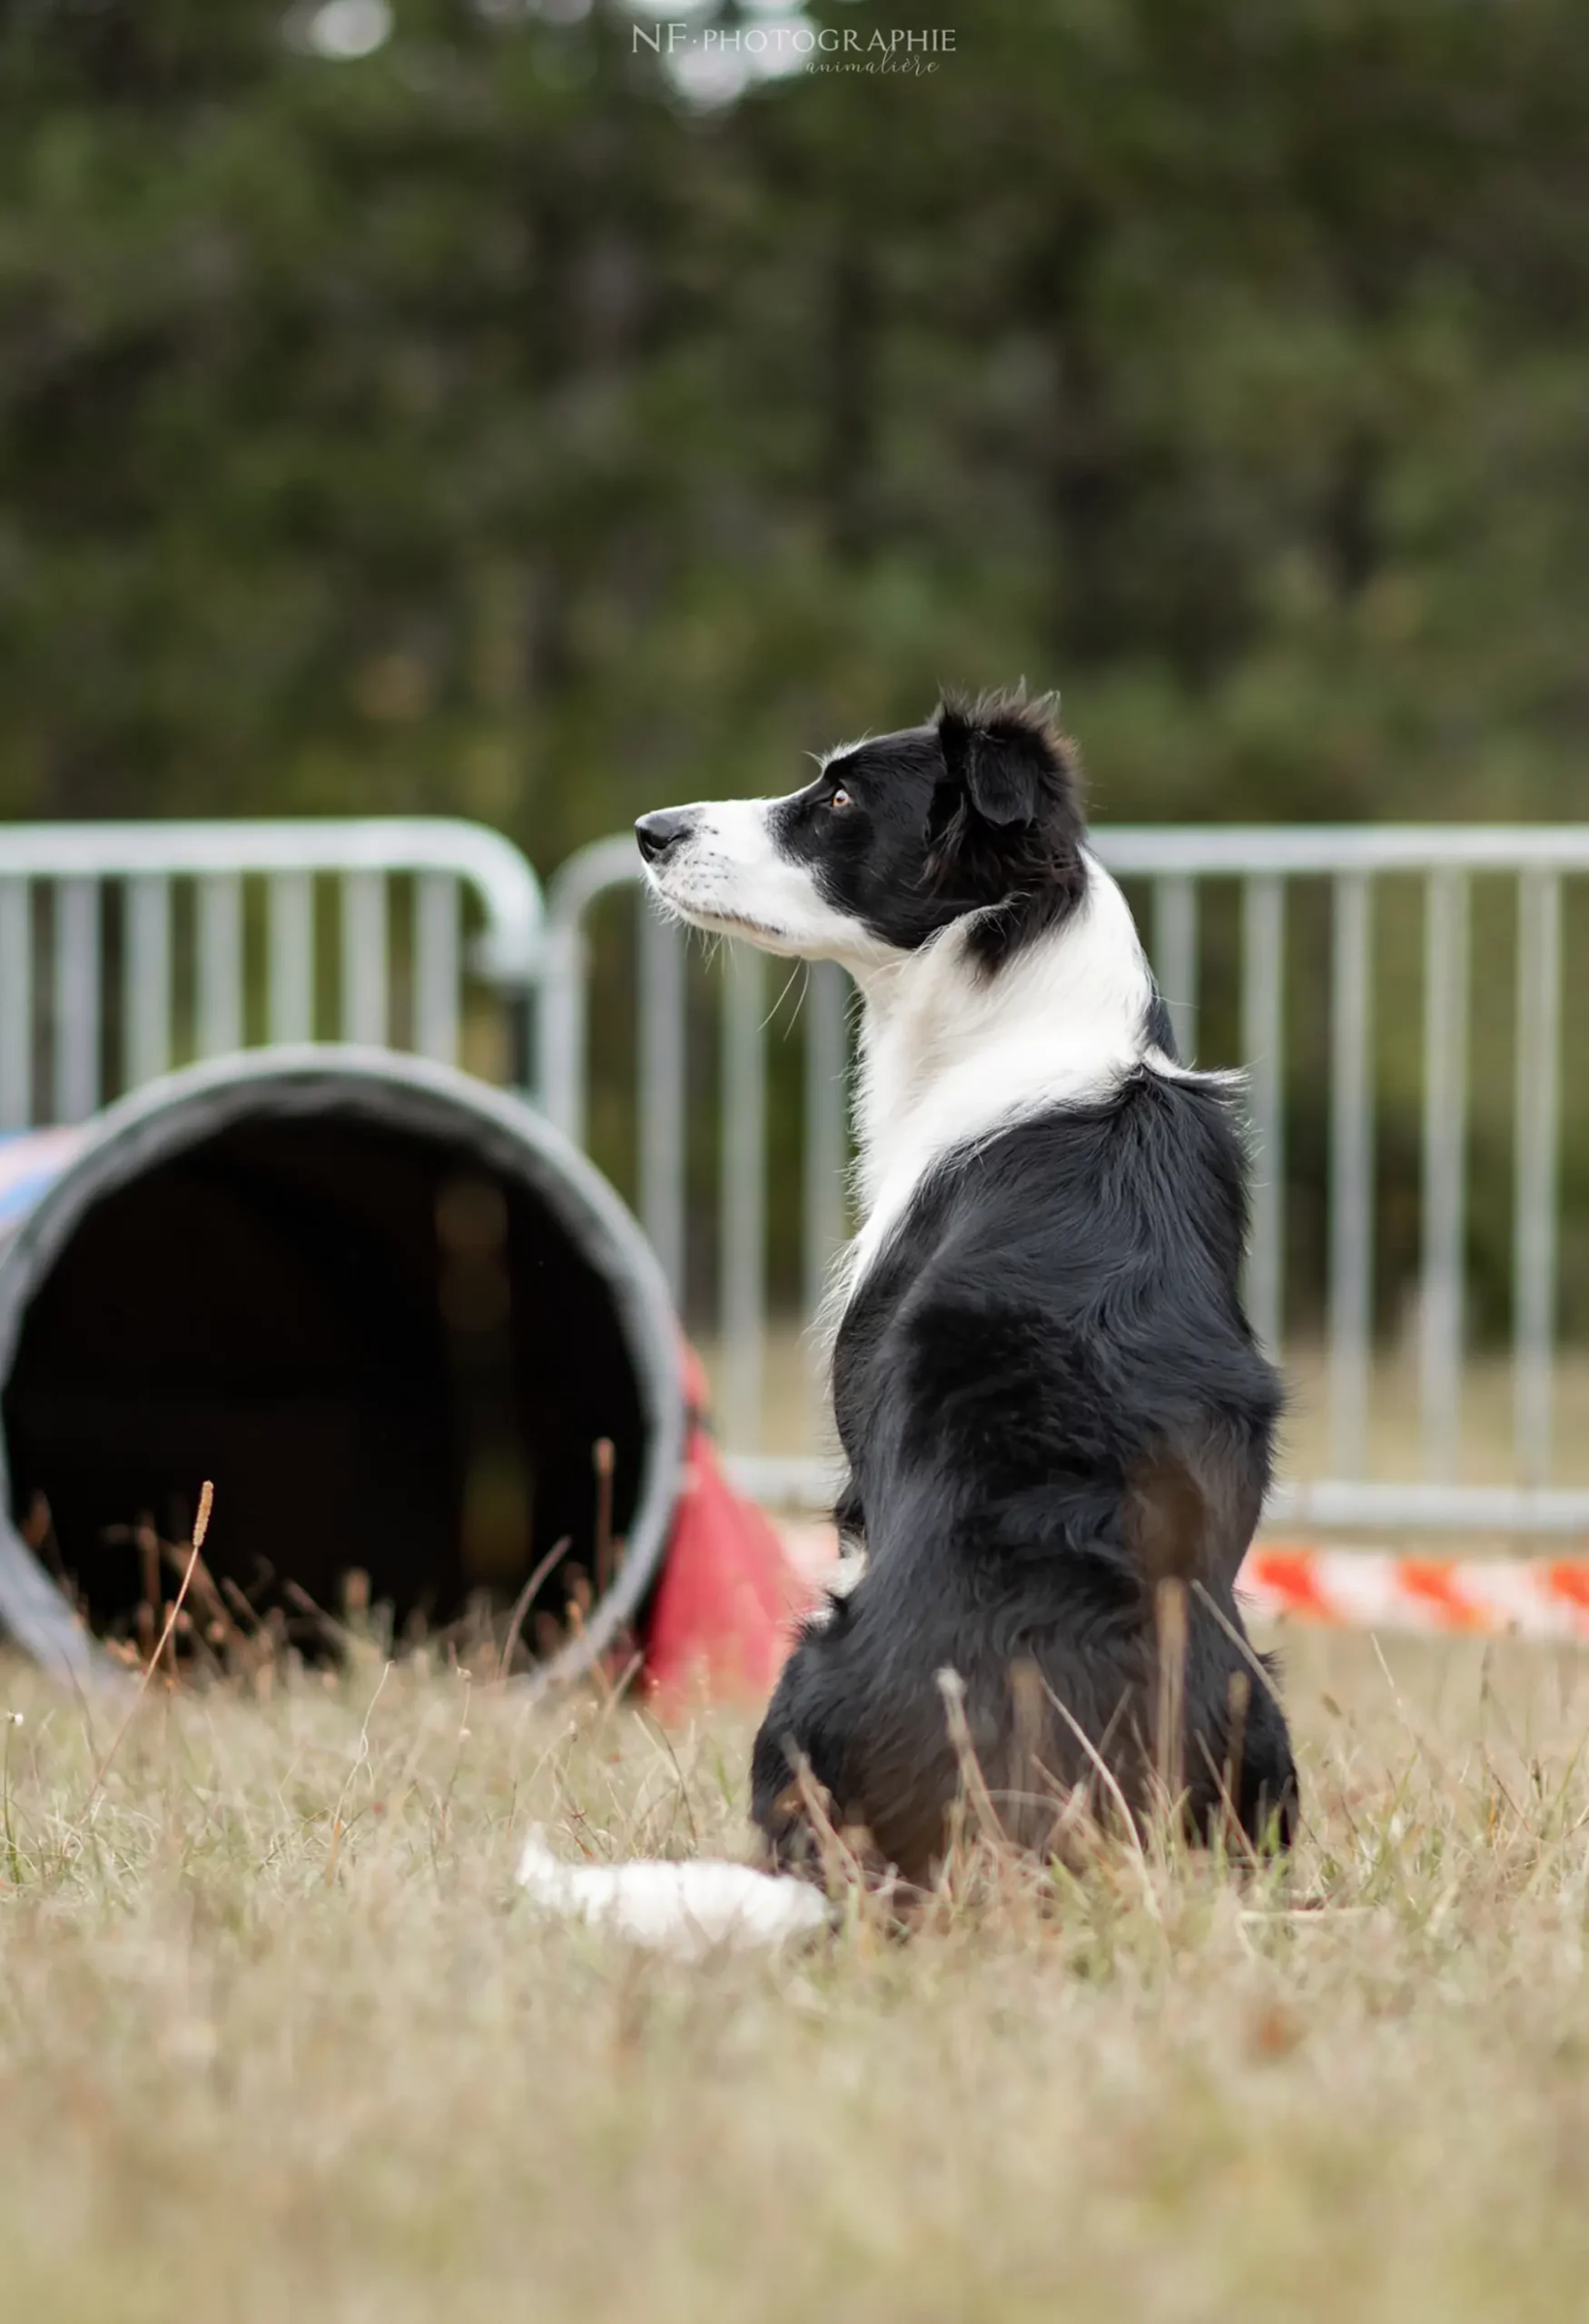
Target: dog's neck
(949, 1054)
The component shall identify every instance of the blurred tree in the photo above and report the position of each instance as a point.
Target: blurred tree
(480, 423)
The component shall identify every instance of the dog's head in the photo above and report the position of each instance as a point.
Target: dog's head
(976, 814)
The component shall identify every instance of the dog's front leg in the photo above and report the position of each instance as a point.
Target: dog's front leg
(797, 1766)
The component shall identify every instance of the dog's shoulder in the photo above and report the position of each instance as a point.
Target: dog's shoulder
(1139, 1158)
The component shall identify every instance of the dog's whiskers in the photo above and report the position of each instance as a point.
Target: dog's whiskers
(800, 973)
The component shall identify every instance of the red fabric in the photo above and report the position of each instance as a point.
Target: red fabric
(724, 1616)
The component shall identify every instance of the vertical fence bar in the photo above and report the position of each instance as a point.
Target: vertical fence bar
(77, 1004)
(562, 1033)
(291, 932)
(146, 985)
(826, 1125)
(1175, 954)
(1351, 1190)
(436, 966)
(1263, 966)
(743, 1199)
(661, 961)
(1440, 1315)
(219, 964)
(15, 1005)
(364, 961)
(1539, 1003)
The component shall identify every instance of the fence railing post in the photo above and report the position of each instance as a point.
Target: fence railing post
(146, 1011)
(1445, 1172)
(1351, 1207)
(220, 963)
(436, 966)
(365, 972)
(741, 1294)
(1535, 1136)
(16, 1004)
(1175, 955)
(1262, 1039)
(661, 965)
(77, 998)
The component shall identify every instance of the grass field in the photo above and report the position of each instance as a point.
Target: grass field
(279, 2040)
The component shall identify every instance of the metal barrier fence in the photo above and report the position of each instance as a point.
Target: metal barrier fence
(1269, 877)
(125, 946)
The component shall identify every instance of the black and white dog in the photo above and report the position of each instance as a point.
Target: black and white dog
(1048, 1396)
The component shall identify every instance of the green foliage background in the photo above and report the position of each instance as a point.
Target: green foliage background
(480, 426)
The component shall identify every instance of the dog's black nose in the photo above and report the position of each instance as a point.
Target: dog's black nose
(659, 831)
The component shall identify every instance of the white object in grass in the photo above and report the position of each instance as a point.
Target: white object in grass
(686, 1908)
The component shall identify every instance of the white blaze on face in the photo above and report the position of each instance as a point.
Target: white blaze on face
(729, 874)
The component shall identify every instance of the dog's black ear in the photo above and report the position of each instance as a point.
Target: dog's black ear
(1004, 753)
(1005, 825)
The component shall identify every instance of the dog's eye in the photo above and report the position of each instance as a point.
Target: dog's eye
(840, 801)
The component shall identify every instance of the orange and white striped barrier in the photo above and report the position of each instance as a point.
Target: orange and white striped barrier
(1369, 1589)
(1377, 1590)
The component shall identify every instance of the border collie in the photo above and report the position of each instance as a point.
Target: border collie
(1055, 1418)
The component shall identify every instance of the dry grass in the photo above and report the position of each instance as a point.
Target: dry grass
(278, 2039)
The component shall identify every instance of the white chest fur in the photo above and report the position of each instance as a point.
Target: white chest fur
(949, 1055)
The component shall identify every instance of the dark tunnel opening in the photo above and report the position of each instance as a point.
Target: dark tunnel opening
(393, 1353)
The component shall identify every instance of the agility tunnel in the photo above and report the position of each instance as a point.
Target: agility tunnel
(413, 1338)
